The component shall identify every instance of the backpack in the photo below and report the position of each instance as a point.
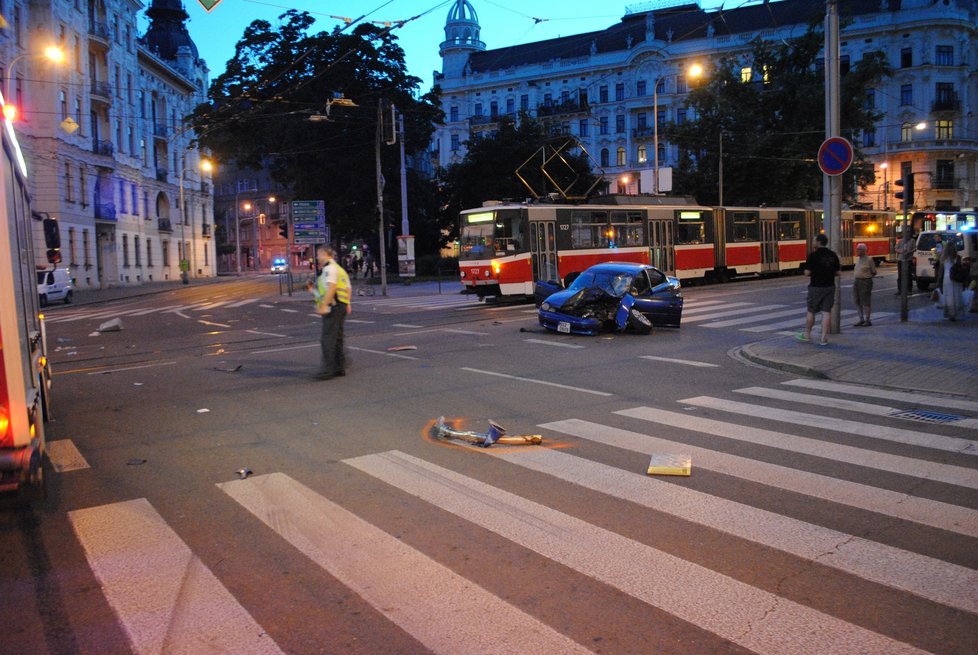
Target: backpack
(959, 272)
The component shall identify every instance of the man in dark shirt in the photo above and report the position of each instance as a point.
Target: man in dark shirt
(821, 267)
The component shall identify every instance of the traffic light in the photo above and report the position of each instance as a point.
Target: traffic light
(283, 230)
(906, 190)
(54, 255)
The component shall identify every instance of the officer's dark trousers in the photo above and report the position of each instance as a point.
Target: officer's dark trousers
(332, 340)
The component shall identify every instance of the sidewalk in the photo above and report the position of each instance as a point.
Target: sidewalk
(926, 354)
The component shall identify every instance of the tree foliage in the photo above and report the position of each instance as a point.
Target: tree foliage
(772, 125)
(488, 171)
(259, 108)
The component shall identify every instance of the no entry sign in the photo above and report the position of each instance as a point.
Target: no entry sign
(835, 155)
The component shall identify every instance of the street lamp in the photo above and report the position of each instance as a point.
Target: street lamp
(695, 70)
(205, 166)
(51, 53)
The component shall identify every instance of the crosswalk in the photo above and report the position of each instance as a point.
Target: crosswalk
(854, 450)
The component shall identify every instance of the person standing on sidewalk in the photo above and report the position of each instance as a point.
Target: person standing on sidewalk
(905, 249)
(331, 292)
(863, 273)
(821, 267)
(954, 275)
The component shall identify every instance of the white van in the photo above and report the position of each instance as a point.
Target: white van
(54, 285)
(966, 241)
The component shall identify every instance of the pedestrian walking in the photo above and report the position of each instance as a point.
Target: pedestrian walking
(905, 249)
(331, 292)
(938, 265)
(954, 276)
(821, 267)
(863, 272)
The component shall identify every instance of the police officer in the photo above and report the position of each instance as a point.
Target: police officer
(331, 292)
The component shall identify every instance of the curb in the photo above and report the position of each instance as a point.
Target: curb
(788, 367)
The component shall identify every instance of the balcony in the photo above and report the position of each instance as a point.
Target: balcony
(99, 32)
(101, 90)
(164, 225)
(943, 184)
(160, 130)
(646, 132)
(947, 102)
(161, 175)
(480, 120)
(100, 147)
(562, 108)
(105, 211)
(205, 230)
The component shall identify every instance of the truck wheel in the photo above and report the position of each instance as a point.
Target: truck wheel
(639, 322)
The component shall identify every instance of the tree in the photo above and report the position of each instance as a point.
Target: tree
(259, 109)
(488, 171)
(771, 125)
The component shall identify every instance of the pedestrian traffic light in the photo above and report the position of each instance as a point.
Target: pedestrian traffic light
(906, 190)
(54, 255)
(283, 230)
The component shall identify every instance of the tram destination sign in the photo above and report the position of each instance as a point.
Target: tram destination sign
(309, 222)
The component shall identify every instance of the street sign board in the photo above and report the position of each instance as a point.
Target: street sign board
(835, 155)
(309, 222)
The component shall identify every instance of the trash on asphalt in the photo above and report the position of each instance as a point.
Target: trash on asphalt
(670, 464)
(233, 369)
(203, 410)
(111, 326)
(137, 384)
(399, 348)
(495, 434)
(136, 461)
(93, 334)
(243, 473)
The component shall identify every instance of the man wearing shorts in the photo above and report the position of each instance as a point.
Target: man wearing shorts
(821, 268)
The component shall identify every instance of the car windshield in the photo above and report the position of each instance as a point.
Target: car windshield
(615, 283)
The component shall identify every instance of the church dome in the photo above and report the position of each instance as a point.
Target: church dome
(167, 31)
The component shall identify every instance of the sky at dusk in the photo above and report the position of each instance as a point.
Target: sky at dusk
(503, 22)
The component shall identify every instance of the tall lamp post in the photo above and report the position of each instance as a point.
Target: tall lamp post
(52, 53)
(205, 166)
(695, 70)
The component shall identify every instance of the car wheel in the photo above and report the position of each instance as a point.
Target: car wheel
(923, 286)
(44, 300)
(639, 322)
(67, 297)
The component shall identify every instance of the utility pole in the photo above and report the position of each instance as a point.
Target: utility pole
(832, 184)
(380, 199)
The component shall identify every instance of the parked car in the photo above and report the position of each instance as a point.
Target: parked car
(54, 285)
(966, 241)
(614, 295)
(279, 265)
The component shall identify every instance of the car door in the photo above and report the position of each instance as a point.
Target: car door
(657, 299)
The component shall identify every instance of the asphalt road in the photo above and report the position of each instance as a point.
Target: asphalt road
(809, 524)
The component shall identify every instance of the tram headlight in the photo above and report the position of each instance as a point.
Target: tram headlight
(496, 268)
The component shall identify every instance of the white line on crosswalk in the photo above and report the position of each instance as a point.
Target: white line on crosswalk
(687, 362)
(266, 306)
(554, 343)
(167, 600)
(913, 397)
(209, 305)
(752, 319)
(290, 311)
(853, 494)
(381, 352)
(441, 609)
(941, 582)
(750, 617)
(898, 435)
(65, 456)
(829, 402)
(406, 325)
(241, 303)
(704, 307)
(543, 382)
(458, 331)
(728, 312)
(353, 320)
(797, 322)
(202, 321)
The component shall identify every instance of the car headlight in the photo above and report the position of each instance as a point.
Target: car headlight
(545, 306)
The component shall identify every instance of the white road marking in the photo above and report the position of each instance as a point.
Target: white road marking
(935, 580)
(701, 308)
(914, 398)
(64, 456)
(130, 368)
(554, 343)
(267, 334)
(277, 350)
(687, 362)
(796, 322)
(352, 320)
(909, 466)
(829, 402)
(544, 382)
(223, 325)
(381, 352)
(898, 435)
(729, 312)
(441, 609)
(290, 311)
(267, 306)
(852, 494)
(209, 305)
(750, 617)
(472, 332)
(241, 303)
(752, 319)
(164, 596)
(406, 325)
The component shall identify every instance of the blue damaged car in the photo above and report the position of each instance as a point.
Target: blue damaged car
(611, 296)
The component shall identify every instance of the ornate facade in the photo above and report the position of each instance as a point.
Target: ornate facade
(107, 150)
(599, 86)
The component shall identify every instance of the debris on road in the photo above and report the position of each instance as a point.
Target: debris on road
(136, 461)
(114, 325)
(394, 349)
(670, 464)
(203, 410)
(233, 369)
(243, 473)
(442, 430)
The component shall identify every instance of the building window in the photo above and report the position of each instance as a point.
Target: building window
(745, 74)
(640, 89)
(680, 116)
(63, 103)
(72, 259)
(906, 57)
(945, 174)
(906, 94)
(165, 252)
(603, 93)
(642, 120)
(125, 250)
(142, 150)
(510, 106)
(122, 196)
(603, 125)
(619, 92)
(869, 138)
(453, 114)
(660, 118)
(619, 123)
(149, 252)
(548, 100)
(137, 251)
(662, 152)
(680, 84)
(135, 198)
(870, 99)
(146, 204)
(69, 191)
(906, 132)
(494, 110)
(82, 184)
(945, 55)
(455, 143)
(478, 109)
(524, 102)
(944, 130)
(946, 98)
(582, 127)
(620, 158)
(605, 161)
(642, 155)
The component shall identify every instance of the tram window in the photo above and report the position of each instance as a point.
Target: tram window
(789, 225)
(589, 229)
(474, 240)
(744, 226)
(508, 236)
(627, 228)
(867, 225)
(690, 232)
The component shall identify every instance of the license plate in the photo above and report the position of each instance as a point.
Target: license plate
(563, 326)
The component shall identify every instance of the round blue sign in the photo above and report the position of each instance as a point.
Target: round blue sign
(835, 155)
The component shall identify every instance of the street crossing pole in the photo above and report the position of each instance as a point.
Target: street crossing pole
(832, 184)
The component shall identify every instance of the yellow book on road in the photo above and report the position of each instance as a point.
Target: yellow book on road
(670, 465)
